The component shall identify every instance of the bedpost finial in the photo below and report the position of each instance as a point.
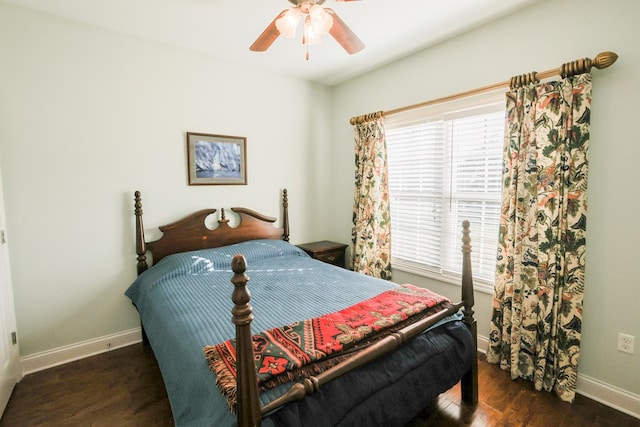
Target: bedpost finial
(242, 312)
(239, 264)
(138, 203)
(466, 236)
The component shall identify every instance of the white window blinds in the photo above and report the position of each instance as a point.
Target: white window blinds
(445, 167)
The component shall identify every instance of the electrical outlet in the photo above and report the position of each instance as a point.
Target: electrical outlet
(626, 343)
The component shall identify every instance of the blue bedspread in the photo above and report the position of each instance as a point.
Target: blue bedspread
(185, 303)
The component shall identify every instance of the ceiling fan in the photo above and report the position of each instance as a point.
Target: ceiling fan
(318, 21)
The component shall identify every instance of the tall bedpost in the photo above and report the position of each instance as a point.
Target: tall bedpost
(248, 409)
(470, 380)
(141, 248)
(285, 215)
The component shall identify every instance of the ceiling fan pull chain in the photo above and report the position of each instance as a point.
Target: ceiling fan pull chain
(305, 38)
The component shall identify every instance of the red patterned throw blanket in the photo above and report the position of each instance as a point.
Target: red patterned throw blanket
(311, 346)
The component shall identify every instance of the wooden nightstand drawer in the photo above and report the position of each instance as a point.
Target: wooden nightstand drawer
(326, 251)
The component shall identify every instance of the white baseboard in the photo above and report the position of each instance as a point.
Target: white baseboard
(594, 389)
(609, 395)
(483, 344)
(69, 353)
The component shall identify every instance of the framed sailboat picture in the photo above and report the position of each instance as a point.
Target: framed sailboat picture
(216, 159)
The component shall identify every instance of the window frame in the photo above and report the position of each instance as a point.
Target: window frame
(460, 107)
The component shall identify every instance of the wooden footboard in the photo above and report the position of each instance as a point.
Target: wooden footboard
(249, 412)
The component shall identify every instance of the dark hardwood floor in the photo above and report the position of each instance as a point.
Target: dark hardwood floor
(124, 388)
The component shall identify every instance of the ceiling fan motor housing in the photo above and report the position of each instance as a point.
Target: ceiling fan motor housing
(300, 2)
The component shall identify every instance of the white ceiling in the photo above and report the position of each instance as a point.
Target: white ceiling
(225, 29)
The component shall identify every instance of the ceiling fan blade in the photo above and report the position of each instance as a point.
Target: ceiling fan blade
(343, 34)
(268, 36)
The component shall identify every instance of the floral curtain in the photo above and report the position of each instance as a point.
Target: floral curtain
(371, 233)
(537, 305)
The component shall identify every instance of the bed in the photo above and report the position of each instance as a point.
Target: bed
(193, 294)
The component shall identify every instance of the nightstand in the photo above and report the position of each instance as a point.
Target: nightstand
(326, 251)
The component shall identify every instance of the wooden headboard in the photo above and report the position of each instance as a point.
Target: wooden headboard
(191, 233)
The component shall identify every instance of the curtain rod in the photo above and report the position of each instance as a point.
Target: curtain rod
(602, 60)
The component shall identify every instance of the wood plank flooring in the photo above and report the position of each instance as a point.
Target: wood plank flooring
(124, 388)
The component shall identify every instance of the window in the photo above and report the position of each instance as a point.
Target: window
(445, 167)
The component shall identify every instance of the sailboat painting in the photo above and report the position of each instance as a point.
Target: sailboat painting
(216, 159)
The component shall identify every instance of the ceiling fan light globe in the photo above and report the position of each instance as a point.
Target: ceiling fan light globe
(288, 24)
(322, 20)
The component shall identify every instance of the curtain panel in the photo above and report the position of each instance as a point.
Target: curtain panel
(371, 232)
(536, 321)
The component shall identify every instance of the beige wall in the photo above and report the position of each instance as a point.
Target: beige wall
(529, 40)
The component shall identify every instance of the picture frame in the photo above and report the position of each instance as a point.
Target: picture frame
(216, 159)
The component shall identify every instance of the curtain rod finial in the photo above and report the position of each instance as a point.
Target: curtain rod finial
(604, 60)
